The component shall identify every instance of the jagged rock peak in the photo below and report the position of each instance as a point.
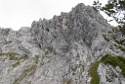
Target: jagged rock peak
(59, 50)
(81, 25)
(79, 6)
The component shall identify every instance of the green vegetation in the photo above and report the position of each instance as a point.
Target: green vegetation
(36, 59)
(1, 54)
(47, 52)
(66, 81)
(121, 48)
(14, 56)
(120, 41)
(50, 49)
(115, 61)
(17, 58)
(93, 72)
(27, 71)
(107, 59)
(114, 9)
(16, 64)
(30, 70)
(106, 38)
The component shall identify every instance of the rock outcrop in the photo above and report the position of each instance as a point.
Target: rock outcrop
(57, 51)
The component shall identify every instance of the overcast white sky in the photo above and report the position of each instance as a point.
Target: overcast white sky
(18, 13)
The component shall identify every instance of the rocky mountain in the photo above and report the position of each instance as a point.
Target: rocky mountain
(78, 47)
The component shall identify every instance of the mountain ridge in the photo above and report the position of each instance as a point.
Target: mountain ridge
(58, 51)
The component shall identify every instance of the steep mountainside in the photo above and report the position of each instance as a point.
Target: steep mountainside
(67, 49)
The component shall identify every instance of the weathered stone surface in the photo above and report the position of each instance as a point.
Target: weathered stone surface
(110, 75)
(56, 51)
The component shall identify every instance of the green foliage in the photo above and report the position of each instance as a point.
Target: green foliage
(96, 5)
(30, 70)
(107, 59)
(121, 48)
(106, 38)
(111, 60)
(47, 52)
(14, 56)
(115, 61)
(120, 41)
(2, 54)
(93, 72)
(121, 59)
(36, 59)
(114, 9)
(16, 64)
(66, 81)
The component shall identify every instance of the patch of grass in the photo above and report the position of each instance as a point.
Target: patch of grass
(14, 56)
(8, 54)
(49, 50)
(1, 54)
(66, 81)
(28, 70)
(115, 61)
(93, 72)
(16, 64)
(19, 79)
(107, 59)
(46, 52)
(121, 48)
(120, 41)
(36, 59)
(23, 57)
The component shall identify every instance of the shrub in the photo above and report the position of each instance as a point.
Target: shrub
(115, 61)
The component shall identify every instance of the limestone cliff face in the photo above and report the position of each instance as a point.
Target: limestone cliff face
(55, 51)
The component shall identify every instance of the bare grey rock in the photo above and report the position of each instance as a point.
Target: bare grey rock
(56, 51)
(110, 75)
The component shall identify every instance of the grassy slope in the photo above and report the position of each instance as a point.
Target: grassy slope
(93, 73)
(107, 59)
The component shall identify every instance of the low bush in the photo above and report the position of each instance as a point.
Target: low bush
(115, 61)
